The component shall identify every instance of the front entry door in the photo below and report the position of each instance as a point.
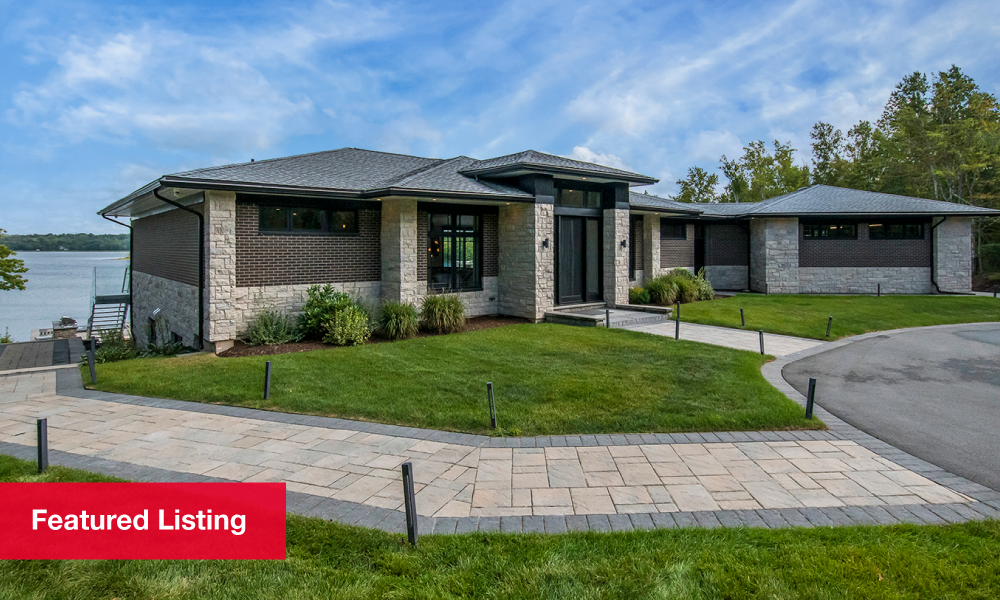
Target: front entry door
(578, 260)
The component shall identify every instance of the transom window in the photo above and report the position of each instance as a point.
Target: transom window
(299, 219)
(672, 231)
(829, 231)
(454, 255)
(896, 231)
(578, 198)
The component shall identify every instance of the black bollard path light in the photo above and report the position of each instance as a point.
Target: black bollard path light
(90, 363)
(829, 324)
(810, 398)
(761, 333)
(607, 318)
(43, 445)
(743, 319)
(410, 504)
(493, 408)
(267, 380)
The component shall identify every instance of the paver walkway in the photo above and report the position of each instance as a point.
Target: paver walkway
(350, 471)
(775, 345)
(28, 356)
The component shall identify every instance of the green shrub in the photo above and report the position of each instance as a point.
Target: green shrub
(270, 328)
(638, 295)
(398, 320)
(705, 289)
(662, 290)
(682, 273)
(322, 305)
(349, 327)
(989, 258)
(687, 289)
(114, 347)
(5, 338)
(442, 313)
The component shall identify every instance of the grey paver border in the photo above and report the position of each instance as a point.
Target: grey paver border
(987, 506)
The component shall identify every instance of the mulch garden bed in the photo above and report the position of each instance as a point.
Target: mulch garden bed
(473, 324)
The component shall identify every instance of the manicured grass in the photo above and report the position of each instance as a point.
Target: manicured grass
(327, 560)
(548, 379)
(806, 316)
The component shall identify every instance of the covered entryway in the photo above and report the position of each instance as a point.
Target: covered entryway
(578, 259)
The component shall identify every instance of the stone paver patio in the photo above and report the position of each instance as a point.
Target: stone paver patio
(775, 345)
(350, 471)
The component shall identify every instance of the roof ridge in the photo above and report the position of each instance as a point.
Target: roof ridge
(255, 162)
(409, 174)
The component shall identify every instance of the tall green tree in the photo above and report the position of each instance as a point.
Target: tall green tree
(11, 269)
(698, 186)
(759, 174)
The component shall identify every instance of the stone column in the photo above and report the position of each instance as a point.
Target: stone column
(545, 259)
(220, 277)
(616, 229)
(953, 255)
(526, 283)
(774, 255)
(651, 246)
(399, 250)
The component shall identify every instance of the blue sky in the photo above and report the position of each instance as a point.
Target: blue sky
(97, 99)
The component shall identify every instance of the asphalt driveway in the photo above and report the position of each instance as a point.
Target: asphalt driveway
(933, 392)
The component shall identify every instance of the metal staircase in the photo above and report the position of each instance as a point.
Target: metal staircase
(109, 311)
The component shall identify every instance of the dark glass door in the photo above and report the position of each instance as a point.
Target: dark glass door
(699, 247)
(578, 260)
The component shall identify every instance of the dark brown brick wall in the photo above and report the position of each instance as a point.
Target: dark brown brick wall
(635, 242)
(288, 259)
(725, 244)
(490, 223)
(865, 252)
(678, 253)
(166, 245)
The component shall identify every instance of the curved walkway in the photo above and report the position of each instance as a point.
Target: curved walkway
(349, 471)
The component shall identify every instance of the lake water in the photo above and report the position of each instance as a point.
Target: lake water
(59, 284)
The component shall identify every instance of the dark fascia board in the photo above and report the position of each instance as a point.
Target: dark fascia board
(664, 209)
(992, 213)
(533, 169)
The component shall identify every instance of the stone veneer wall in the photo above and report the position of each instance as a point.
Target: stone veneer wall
(727, 277)
(248, 302)
(399, 250)
(953, 255)
(220, 254)
(650, 246)
(774, 255)
(526, 286)
(864, 280)
(616, 229)
(178, 304)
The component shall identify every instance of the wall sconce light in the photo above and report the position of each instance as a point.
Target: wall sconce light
(624, 243)
(545, 243)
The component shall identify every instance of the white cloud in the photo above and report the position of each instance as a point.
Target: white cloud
(608, 160)
(711, 145)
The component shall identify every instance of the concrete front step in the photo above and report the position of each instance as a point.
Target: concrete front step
(597, 317)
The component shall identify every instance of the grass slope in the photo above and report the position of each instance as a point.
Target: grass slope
(548, 379)
(327, 560)
(806, 316)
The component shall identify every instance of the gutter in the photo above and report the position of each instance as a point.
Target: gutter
(131, 247)
(201, 263)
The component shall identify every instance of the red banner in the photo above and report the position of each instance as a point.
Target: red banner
(142, 521)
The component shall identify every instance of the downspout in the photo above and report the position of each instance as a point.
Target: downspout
(131, 313)
(201, 264)
(934, 266)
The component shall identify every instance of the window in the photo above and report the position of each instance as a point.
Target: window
(896, 231)
(298, 219)
(578, 199)
(829, 231)
(673, 231)
(453, 253)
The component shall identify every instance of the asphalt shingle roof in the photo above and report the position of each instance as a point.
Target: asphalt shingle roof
(643, 200)
(533, 158)
(831, 200)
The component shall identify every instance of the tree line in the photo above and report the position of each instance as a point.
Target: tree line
(78, 242)
(937, 138)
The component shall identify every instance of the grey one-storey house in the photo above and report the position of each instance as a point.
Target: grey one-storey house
(522, 235)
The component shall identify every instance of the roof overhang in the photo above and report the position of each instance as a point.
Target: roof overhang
(520, 169)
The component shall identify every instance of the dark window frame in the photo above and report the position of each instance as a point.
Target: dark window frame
(477, 258)
(885, 235)
(818, 226)
(288, 230)
(683, 229)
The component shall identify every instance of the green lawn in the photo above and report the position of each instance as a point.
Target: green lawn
(548, 379)
(327, 560)
(806, 316)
